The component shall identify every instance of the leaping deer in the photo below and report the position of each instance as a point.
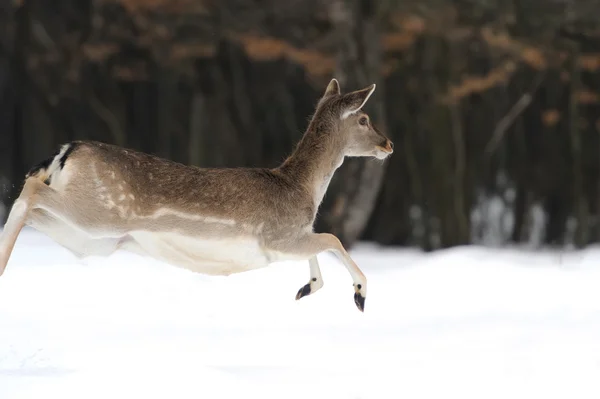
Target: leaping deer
(94, 198)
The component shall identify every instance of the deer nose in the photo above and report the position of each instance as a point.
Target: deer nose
(389, 146)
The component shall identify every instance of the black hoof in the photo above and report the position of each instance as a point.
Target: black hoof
(303, 291)
(359, 300)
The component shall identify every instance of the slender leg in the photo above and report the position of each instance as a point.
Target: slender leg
(316, 281)
(15, 223)
(34, 195)
(312, 244)
(359, 279)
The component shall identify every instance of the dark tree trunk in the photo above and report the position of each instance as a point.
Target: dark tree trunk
(356, 185)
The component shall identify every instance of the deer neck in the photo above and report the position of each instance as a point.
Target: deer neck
(314, 161)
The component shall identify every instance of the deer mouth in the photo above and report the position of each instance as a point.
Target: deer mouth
(382, 152)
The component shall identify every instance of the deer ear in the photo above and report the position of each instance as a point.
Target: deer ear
(354, 101)
(332, 88)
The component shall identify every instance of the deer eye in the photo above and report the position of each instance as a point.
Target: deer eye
(363, 121)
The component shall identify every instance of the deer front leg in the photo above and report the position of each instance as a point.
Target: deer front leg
(312, 244)
(316, 281)
(16, 221)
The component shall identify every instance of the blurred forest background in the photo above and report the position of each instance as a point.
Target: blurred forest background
(493, 105)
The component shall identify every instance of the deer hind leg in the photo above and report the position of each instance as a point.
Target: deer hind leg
(70, 237)
(312, 244)
(15, 222)
(46, 209)
(316, 281)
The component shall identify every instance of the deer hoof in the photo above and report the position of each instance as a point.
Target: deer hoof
(304, 291)
(314, 285)
(359, 300)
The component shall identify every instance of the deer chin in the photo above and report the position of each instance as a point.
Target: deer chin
(382, 153)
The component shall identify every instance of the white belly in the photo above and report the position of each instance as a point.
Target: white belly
(203, 255)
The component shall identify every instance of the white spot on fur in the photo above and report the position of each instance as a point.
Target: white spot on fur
(122, 197)
(122, 211)
(131, 196)
(112, 174)
(190, 216)
(99, 184)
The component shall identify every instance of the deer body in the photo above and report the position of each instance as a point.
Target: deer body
(184, 215)
(95, 198)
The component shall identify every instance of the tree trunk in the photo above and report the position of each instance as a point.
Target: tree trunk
(356, 185)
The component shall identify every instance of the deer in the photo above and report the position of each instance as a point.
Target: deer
(95, 198)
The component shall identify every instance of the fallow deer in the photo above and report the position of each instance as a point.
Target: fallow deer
(94, 198)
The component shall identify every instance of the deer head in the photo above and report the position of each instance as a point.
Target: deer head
(348, 125)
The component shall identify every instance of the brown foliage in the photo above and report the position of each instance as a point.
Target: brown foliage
(409, 22)
(132, 73)
(397, 41)
(532, 56)
(478, 84)
(590, 62)
(269, 48)
(550, 117)
(585, 96)
(181, 51)
(99, 52)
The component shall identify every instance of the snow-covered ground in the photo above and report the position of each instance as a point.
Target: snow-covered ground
(462, 323)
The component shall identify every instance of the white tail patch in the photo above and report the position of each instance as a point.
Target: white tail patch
(46, 172)
(56, 161)
(59, 178)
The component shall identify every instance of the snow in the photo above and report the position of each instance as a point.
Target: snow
(468, 322)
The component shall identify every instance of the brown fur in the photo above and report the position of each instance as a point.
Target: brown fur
(112, 194)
